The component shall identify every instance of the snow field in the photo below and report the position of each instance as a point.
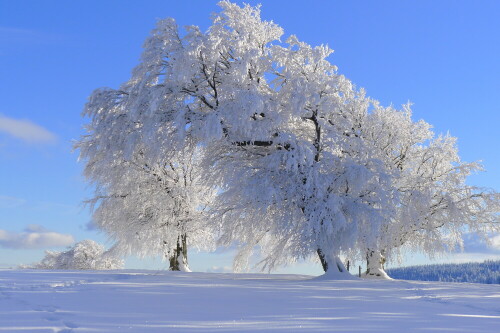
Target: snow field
(148, 301)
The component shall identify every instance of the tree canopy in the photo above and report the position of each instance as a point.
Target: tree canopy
(233, 136)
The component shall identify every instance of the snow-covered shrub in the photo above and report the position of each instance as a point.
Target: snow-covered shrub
(86, 254)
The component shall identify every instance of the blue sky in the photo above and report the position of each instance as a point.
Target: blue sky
(443, 56)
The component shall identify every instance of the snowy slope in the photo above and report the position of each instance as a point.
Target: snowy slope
(147, 301)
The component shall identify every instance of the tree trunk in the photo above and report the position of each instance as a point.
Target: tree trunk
(332, 265)
(375, 261)
(178, 258)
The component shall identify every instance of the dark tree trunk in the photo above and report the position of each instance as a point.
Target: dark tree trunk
(375, 261)
(178, 258)
(322, 259)
(331, 264)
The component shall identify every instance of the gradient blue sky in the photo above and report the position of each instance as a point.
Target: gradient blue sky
(444, 56)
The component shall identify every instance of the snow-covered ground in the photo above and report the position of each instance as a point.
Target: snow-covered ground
(148, 301)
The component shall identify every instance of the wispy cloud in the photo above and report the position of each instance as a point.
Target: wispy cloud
(459, 258)
(476, 249)
(34, 237)
(61, 209)
(11, 202)
(26, 130)
(25, 36)
(475, 244)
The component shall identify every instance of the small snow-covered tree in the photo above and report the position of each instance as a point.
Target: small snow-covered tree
(84, 255)
(435, 205)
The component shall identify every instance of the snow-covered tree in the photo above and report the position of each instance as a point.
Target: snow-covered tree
(436, 206)
(310, 185)
(276, 123)
(84, 255)
(147, 208)
(300, 163)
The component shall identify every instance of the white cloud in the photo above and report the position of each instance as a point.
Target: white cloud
(34, 237)
(476, 244)
(495, 242)
(25, 130)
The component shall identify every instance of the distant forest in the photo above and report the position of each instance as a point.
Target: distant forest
(487, 272)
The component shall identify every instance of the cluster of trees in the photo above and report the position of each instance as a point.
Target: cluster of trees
(231, 137)
(487, 272)
(84, 255)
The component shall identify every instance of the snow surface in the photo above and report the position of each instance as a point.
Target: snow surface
(148, 301)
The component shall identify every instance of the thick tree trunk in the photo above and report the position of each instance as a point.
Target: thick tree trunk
(333, 266)
(178, 258)
(375, 261)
